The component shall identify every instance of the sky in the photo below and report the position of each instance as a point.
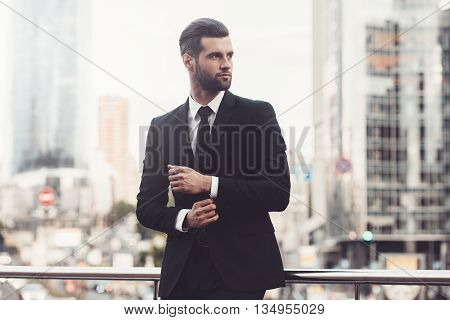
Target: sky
(137, 42)
(5, 127)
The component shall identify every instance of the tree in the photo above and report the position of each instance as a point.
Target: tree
(119, 211)
(2, 239)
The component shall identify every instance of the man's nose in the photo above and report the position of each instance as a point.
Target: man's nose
(226, 64)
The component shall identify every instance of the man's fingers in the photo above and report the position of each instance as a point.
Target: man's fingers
(173, 169)
(209, 214)
(177, 189)
(176, 169)
(207, 208)
(175, 177)
(174, 184)
(211, 220)
(204, 202)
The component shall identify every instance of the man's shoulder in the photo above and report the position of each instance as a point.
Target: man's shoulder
(255, 107)
(251, 103)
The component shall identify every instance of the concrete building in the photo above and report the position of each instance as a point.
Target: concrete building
(47, 86)
(381, 132)
(113, 147)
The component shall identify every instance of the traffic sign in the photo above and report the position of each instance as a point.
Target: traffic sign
(343, 165)
(46, 197)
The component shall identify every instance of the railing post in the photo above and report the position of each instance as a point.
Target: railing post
(357, 294)
(155, 289)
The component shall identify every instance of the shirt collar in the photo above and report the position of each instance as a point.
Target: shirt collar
(213, 104)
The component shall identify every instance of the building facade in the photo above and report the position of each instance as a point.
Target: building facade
(381, 129)
(46, 106)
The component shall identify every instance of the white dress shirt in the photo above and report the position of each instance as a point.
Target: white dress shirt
(194, 122)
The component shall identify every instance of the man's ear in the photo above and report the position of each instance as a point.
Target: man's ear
(188, 61)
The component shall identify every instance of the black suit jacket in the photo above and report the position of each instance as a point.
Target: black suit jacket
(249, 158)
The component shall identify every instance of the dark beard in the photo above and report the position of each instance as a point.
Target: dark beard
(209, 83)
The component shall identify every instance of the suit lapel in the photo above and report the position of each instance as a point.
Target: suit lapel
(226, 110)
(182, 132)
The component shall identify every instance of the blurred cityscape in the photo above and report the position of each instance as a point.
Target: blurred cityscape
(376, 193)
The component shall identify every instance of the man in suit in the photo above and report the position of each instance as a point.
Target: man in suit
(224, 158)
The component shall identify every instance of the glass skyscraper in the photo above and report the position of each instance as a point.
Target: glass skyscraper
(386, 112)
(46, 78)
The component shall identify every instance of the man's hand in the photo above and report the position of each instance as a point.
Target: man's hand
(187, 180)
(202, 214)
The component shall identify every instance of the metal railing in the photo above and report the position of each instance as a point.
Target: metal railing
(302, 276)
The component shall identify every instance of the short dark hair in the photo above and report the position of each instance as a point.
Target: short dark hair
(204, 27)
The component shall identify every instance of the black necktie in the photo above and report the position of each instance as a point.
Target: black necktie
(203, 159)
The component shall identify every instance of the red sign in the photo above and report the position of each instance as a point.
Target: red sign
(46, 196)
(343, 166)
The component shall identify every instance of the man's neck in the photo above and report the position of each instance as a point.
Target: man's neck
(202, 96)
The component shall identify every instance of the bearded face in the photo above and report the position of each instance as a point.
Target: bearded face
(213, 67)
(217, 81)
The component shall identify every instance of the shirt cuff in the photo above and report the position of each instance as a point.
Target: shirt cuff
(180, 218)
(214, 187)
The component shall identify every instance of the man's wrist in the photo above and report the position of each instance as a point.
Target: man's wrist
(181, 217)
(207, 184)
(214, 187)
(185, 224)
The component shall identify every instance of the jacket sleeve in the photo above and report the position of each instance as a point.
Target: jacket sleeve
(152, 211)
(269, 189)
